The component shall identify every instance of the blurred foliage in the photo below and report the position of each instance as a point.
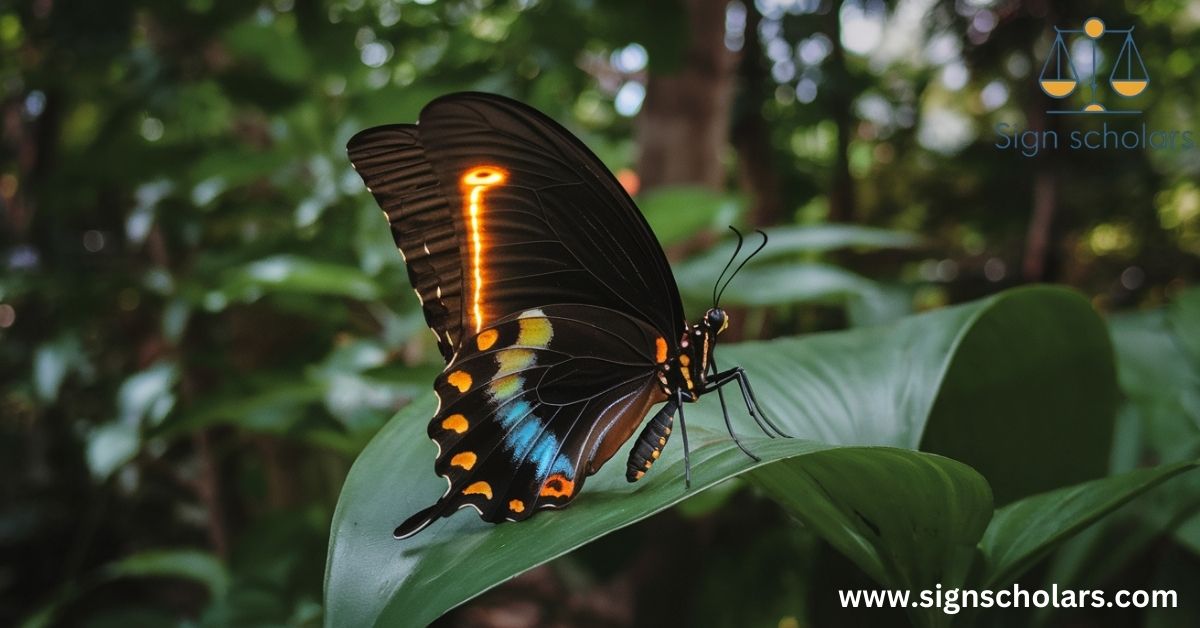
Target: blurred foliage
(203, 320)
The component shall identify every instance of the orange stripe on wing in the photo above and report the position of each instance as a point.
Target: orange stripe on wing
(475, 182)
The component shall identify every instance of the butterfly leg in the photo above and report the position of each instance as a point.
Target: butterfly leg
(738, 374)
(729, 424)
(687, 460)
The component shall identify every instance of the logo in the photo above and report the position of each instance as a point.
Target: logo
(1127, 78)
(1089, 48)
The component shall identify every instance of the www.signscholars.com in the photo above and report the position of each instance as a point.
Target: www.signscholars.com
(1029, 143)
(951, 601)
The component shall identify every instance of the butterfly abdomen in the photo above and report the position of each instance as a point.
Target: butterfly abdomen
(650, 443)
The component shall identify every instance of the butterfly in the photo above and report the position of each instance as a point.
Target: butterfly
(551, 300)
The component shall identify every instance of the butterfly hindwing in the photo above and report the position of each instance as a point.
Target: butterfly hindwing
(532, 405)
(529, 215)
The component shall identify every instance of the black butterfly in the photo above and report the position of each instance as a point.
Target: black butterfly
(552, 302)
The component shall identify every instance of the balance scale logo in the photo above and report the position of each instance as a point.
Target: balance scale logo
(1128, 77)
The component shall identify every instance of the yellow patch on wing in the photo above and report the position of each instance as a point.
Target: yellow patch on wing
(479, 488)
(516, 505)
(456, 423)
(465, 460)
(514, 360)
(486, 339)
(535, 332)
(505, 387)
(460, 380)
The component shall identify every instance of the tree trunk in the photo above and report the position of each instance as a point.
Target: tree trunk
(841, 188)
(751, 134)
(684, 124)
(1036, 263)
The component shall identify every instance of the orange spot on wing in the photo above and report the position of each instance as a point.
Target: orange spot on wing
(660, 350)
(475, 182)
(466, 460)
(455, 422)
(486, 339)
(557, 485)
(516, 505)
(460, 380)
(479, 488)
(629, 180)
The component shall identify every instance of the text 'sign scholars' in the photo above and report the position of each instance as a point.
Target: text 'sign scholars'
(1029, 143)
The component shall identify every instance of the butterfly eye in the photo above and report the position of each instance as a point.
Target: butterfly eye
(716, 319)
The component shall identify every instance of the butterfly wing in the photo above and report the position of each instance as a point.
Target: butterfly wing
(535, 403)
(497, 209)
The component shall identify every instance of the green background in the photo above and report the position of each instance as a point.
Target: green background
(214, 377)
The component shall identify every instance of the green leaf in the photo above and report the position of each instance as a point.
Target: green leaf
(909, 520)
(274, 405)
(1183, 317)
(887, 303)
(778, 284)
(793, 241)
(195, 565)
(188, 564)
(292, 273)
(831, 237)
(675, 213)
(1160, 379)
(1051, 353)
(274, 46)
(148, 394)
(1025, 531)
(873, 386)
(110, 446)
(51, 363)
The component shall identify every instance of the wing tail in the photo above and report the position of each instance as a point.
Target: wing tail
(421, 520)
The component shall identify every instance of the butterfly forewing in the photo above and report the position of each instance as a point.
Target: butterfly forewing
(534, 217)
(392, 162)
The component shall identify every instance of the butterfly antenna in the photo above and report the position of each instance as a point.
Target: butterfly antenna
(742, 265)
(736, 250)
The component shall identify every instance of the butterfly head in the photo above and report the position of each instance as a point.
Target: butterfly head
(716, 320)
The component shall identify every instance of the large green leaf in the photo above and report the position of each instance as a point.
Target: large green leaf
(1025, 531)
(1051, 353)
(874, 386)
(909, 520)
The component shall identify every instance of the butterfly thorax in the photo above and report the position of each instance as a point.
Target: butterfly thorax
(686, 368)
